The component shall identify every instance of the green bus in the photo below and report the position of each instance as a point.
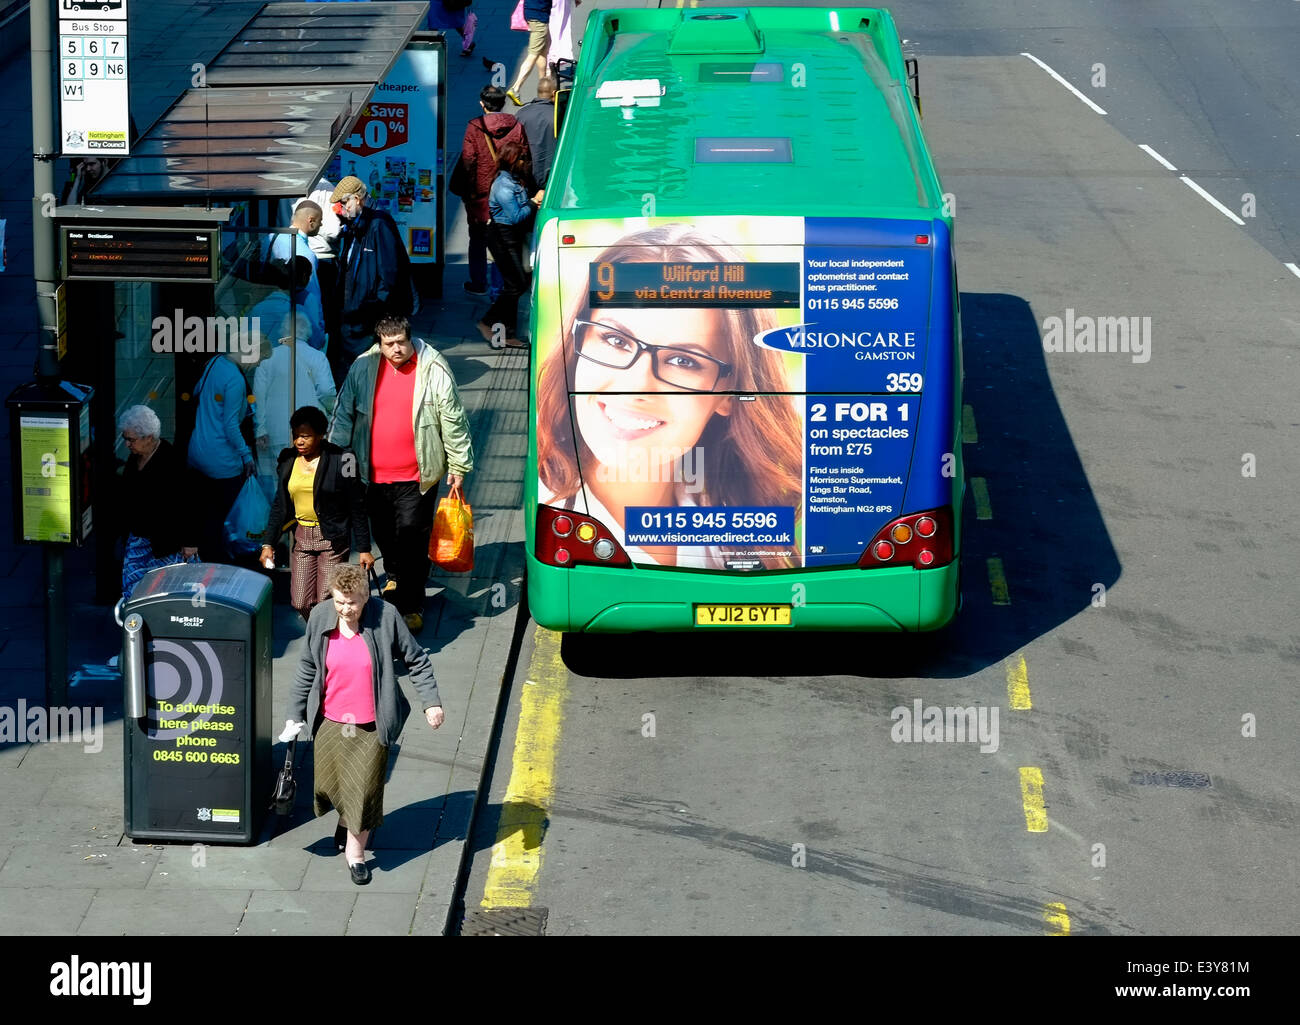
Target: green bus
(745, 394)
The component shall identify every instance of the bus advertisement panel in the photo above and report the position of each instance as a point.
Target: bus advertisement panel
(738, 393)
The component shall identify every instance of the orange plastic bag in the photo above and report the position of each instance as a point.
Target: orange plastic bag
(451, 546)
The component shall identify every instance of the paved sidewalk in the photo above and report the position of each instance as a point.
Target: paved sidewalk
(65, 866)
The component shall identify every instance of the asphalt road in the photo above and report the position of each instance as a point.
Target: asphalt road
(751, 784)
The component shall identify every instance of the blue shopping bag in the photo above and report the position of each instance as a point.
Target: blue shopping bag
(246, 521)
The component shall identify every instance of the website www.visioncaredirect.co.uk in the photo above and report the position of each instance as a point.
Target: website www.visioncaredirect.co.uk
(701, 537)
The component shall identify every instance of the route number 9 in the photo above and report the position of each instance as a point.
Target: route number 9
(605, 278)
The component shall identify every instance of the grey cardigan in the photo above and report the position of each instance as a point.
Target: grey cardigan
(388, 639)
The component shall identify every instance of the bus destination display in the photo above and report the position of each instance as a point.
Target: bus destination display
(693, 285)
(138, 254)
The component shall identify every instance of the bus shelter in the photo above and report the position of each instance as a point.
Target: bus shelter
(167, 260)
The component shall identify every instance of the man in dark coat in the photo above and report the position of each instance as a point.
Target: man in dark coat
(538, 119)
(479, 156)
(375, 272)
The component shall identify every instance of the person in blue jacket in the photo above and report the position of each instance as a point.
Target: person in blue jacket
(218, 450)
(512, 208)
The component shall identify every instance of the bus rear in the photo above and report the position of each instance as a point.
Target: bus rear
(745, 388)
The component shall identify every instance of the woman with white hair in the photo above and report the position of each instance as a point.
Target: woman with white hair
(159, 526)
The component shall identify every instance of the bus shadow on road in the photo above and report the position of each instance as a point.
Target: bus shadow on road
(1042, 556)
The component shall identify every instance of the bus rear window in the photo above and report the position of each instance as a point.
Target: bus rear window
(719, 150)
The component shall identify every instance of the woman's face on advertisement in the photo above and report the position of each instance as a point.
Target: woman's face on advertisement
(660, 420)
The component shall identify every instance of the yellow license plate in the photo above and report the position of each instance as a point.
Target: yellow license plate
(742, 615)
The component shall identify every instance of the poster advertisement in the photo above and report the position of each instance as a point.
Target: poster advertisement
(45, 446)
(189, 767)
(394, 149)
(93, 83)
(734, 393)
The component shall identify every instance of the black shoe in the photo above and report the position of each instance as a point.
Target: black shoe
(340, 838)
(469, 287)
(360, 872)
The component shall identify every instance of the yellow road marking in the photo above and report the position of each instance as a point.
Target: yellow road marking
(998, 583)
(517, 854)
(969, 434)
(1031, 793)
(1057, 919)
(1018, 684)
(980, 491)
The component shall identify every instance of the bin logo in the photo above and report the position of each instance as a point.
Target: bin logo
(205, 814)
(190, 683)
(188, 620)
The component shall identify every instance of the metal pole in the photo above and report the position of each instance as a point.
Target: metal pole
(43, 154)
(47, 360)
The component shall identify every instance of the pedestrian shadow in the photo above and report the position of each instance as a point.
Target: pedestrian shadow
(1046, 538)
(414, 830)
(467, 369)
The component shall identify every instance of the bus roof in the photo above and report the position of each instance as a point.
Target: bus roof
(742, 110)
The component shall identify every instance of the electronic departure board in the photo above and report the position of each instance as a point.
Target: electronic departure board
(695, 285)
(139, 254)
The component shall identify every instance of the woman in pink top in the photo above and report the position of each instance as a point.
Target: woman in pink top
(346, 688)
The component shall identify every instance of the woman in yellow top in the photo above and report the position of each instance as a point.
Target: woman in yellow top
(319, 495)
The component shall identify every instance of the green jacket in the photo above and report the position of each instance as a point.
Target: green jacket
(442, 438)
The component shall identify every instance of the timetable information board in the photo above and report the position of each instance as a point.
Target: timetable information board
(93, 83)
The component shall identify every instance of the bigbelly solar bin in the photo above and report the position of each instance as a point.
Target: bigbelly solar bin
(196, 668)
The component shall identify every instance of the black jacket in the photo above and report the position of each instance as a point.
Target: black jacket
(339, 498)
(376, 277)
(156, 501)
(538, 119)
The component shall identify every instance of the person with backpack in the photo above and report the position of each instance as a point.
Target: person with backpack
(375, 273)
(513, 201)
(484, 138)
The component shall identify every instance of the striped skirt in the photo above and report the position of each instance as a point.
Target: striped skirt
(349, 773)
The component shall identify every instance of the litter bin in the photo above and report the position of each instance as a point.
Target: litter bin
(196, 669)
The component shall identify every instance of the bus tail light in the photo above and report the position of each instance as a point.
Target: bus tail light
(922, 540)
(569, 539)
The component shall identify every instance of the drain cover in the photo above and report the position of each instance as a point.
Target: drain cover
(505, 922)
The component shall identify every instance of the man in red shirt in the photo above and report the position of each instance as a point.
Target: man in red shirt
(399, 412)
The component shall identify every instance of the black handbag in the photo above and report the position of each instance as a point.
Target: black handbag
(459, 183)
(286, 787)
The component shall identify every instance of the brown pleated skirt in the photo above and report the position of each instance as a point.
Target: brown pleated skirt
(349, 774)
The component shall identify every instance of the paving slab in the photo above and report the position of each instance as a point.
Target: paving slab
(154, 913)
(45, 864)
(218, 867)
(283, 913)
(381, 914)
(43, 910)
